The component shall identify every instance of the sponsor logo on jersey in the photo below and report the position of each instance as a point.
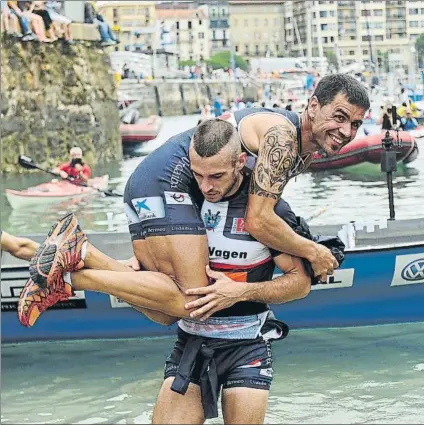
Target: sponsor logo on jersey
(238, 227)
(212, 220)
(149, 208)
(409, 270)
(226, 255)
(132, 216)
(177, 198)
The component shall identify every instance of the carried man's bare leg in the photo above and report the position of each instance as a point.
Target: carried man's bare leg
(67, 249)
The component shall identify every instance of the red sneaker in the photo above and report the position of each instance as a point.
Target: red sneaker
(60, 252)
(35, 299)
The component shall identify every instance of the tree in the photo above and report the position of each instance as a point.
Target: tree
(223, 60)
(332, 59)
(419, 44)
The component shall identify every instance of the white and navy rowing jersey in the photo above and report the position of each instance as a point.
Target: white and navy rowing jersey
(233, 250)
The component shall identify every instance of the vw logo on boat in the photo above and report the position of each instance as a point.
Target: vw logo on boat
(409, 270)
(414, 271)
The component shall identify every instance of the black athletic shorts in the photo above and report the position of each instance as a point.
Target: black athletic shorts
(248, 365)
(162, 197)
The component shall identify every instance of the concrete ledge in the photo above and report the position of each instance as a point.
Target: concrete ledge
(88, 32)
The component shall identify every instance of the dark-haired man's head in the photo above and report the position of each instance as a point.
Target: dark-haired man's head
(336, 111)
(217, 159)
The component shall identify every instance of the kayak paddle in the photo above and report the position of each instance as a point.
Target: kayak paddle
(29, 164)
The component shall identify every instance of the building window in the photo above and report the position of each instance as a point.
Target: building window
(201, 35)
(223, 12)
(257, 50)
(265, 36)
(177, 25)
(236, 48)
(323, 14)
(189, 25)
(324, 27)
(277, 48)
(364, 52)
(379, 38)
(200, 22)
(332, 13)
(351, 52)
(256, 36)
(366, 12)
(266, 48)
(413, 11)
(246, 36)
(378, 12)
(213, 13)
(246, 49)
(224, 35)
(213, 35)
(413, 24)
(325, 40)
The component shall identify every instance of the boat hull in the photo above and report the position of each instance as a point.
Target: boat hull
(367, 149)
(374, 286)
(143, 131)
(53, 192)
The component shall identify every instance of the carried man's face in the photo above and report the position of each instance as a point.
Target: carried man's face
(336, 124)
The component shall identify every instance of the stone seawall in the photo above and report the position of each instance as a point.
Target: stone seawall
(182, 97)
(53, 97)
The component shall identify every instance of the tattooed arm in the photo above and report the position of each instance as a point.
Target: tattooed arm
(276, 160)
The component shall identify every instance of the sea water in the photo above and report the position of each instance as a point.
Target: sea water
(348, 375)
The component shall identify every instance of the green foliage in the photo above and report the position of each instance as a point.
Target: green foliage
(187, 62)
(332, 58)
(419, 44)
(223, 60)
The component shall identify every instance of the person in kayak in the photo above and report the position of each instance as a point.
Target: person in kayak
(75, 168)
(19, 247)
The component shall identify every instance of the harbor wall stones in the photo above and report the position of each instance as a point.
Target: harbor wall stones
(53, 97)
(183, 97)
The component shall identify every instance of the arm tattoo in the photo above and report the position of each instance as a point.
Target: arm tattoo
(277, 157)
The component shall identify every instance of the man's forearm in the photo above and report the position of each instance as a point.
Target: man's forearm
(275, 233)
(288, 287)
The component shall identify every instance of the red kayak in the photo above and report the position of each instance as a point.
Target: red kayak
(367, 149)
(53, 191)
(142, 131)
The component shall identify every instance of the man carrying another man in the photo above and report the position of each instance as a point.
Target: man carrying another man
(166, 227)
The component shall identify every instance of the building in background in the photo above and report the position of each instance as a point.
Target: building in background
(382, 33)
(257, 27)
(187, 29)
(134, 22)
(219, 24)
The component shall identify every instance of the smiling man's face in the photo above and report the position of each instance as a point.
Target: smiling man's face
(335, 125)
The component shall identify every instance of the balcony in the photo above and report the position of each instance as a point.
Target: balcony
(346, 4)
(223, 24)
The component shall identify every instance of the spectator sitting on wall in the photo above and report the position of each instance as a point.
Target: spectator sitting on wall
(92, 16)
(9, 21)
(60, 21)
(76, 168)
(39, 8)
(24, 22)
(35, 20)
